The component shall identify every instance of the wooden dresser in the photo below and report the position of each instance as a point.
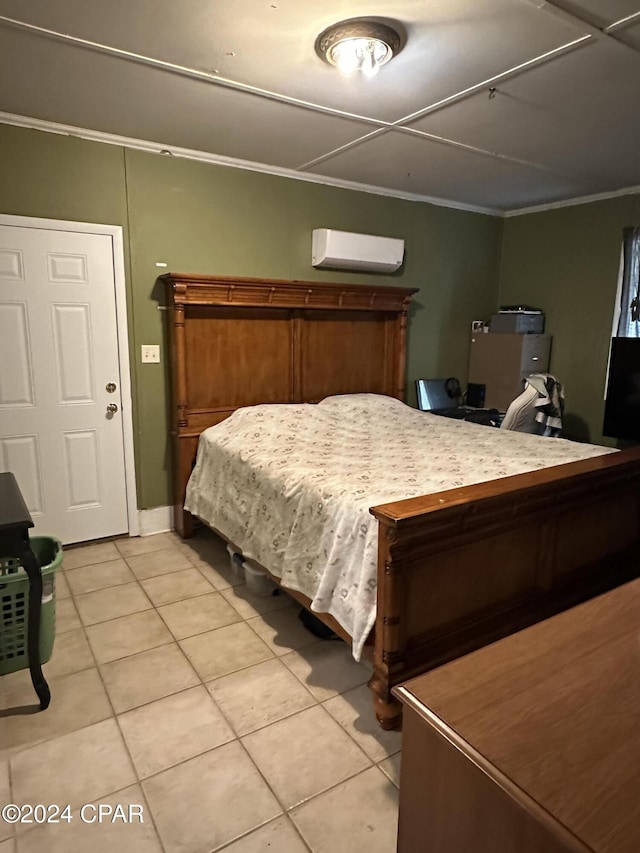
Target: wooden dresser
(532, 744)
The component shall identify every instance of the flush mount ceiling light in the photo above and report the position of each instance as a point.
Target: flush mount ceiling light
(361, 44)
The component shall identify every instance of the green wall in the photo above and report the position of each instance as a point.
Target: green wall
(566, 262)
(202, 218)
(197, 217)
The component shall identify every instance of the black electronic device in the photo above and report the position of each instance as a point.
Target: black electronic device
(485, 417)
(453, 389)
(519, 309)
(622, 407)
(435, 395)
(518, 322)
(442, 397)
(475, 395)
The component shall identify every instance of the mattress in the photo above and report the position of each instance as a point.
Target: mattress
(291, 485)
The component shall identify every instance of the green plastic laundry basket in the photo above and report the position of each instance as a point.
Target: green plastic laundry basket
(14, 605)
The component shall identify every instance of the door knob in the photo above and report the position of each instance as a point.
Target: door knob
(112, 408)
(111, 387)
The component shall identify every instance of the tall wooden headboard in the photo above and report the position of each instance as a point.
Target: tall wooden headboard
(242, 341)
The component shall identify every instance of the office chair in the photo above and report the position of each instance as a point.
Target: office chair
(539, 409)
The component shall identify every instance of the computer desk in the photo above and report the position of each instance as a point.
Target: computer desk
(485, 417)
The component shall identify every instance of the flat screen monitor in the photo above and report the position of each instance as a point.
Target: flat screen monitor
(437, 393)
(622, 407)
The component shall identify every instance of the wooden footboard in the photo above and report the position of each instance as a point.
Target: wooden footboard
(461, 568)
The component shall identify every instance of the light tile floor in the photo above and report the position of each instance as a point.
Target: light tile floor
(176, 689)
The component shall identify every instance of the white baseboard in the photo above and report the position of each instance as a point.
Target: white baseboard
(156, 520)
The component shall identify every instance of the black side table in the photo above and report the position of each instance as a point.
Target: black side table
(15, 521)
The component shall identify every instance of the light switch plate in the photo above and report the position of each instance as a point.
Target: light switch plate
(150, 353)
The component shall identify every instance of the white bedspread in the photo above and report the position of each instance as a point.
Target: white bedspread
(291, 485)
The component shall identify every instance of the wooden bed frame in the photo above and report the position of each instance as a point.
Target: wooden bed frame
(457, 569)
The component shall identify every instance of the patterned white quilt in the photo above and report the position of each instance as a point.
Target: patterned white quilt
(291, 485)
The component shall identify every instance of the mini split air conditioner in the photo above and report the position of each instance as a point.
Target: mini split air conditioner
(343, 250)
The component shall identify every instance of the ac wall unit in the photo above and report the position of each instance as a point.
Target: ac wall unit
(344, 250)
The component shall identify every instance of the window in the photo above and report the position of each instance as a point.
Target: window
(622, 386)
(628, 325)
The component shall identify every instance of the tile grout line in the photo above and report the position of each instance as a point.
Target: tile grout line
(175, 641)
(238, 737)
(321, 703)
(266, 725)
(151, 607)
(114, 716)
(328, 788)
(247, 620)
(123, 615)
(284, 815)
(117, 722)
(224, 717)
(202, 682)
(122, 737)
(335, 785)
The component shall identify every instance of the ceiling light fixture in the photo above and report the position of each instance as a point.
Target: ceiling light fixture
(360, 44)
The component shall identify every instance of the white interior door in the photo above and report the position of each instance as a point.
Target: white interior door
(58, 356)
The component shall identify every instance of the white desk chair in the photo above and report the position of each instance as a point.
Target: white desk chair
(539, 408)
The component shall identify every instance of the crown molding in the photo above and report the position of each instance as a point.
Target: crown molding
(571, 202)
(282, 172)
(231, 162)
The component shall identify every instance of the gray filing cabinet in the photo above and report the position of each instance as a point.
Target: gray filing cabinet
(502, 361)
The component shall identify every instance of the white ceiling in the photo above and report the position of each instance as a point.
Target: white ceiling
(241, 79)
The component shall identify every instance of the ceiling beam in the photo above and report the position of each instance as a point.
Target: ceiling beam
(491, 82)
(633, 18)
(378, 127)
(558, 10)
(185, 71)
(402, 123)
